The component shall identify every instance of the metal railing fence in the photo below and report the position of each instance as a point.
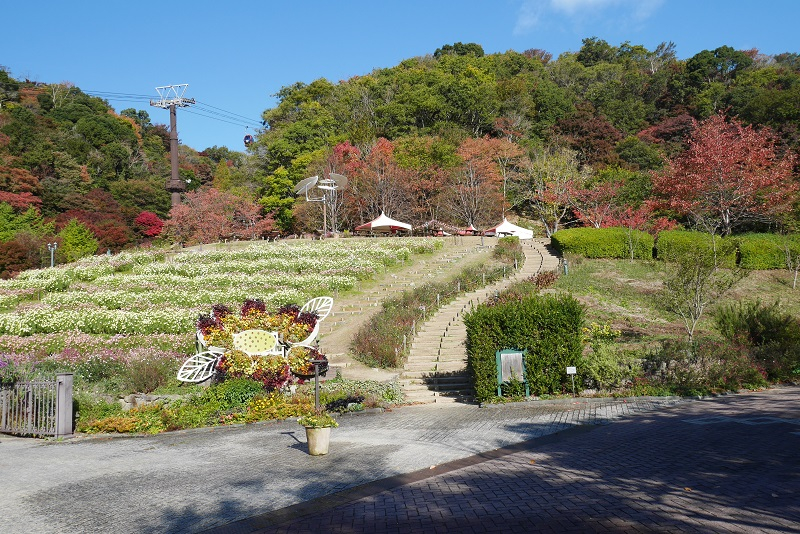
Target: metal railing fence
(38, 407)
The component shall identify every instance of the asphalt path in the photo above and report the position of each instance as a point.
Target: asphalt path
(727, 464)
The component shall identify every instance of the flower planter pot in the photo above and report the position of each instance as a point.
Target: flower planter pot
(308, 376)
(318, 440)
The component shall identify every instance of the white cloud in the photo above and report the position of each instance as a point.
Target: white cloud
(571, 7)
(531, 12)
(641, 9)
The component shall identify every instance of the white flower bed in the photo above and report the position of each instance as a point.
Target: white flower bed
(141, 293)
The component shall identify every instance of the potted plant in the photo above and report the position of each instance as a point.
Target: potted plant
(318, 431)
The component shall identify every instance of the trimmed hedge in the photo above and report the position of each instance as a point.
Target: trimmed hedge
(674, 244)
(604, 243)
(549, 327)
(766, 251)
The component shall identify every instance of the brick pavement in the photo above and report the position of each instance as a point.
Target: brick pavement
(728, 464)
(191, 481)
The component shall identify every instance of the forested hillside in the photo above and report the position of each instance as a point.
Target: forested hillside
(65, 155)
(595, 137)
(439, 137)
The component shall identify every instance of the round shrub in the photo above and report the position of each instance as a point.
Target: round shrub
(235, 392)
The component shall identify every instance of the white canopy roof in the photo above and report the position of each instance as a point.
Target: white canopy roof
(384, 224)
(506, 228)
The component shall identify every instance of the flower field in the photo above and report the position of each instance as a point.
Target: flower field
(119, 306)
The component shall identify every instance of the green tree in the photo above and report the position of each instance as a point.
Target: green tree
(77, 241)
(9, 87)
(594, 51)
(141, 117)
(546, 184)
(459, 49)
(722, 64)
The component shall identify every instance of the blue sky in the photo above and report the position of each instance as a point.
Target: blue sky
(236, 55)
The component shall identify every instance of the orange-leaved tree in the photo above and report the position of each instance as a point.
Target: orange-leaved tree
(208, 215)
(729, 176)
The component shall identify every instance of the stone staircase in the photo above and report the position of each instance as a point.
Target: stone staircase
(353, 311)
(436, 367)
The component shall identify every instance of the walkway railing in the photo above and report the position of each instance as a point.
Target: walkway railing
(38, 408)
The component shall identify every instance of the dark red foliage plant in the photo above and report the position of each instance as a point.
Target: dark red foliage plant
(309, 318)
(220, 310)
(206, 322)
(253, 306)
(289, 309)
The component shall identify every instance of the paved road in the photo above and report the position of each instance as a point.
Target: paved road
(663, 465)
(729, 464)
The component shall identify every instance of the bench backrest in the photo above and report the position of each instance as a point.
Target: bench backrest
(257, 342)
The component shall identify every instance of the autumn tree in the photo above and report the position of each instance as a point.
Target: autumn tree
(590, 134)
(378, 186)
(101, 214)
(12, 259)
(544, 189)
(594, 204)
(635, 220)
(507, 156)
(474, 193)
(430, 159)
(345, 160)
(208, 215)
(729, 176)
(149, 224)
(19, 188)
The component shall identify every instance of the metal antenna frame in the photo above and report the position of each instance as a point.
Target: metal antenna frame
(170, 96)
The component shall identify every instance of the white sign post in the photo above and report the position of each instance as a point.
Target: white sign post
(571, 371)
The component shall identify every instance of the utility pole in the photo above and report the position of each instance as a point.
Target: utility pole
(172, 98)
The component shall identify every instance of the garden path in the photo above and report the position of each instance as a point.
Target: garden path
(352, 310)
(436, 369)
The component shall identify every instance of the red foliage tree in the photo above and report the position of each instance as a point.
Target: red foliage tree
(101, 214)
(475, 193)
(671, 129)
(729, 175)
(13, 259)
(641, 218)
(378, 184)
(595, 205)
(19, 188)
(149, 224)
(346, 159)
(591, 135)
(20, 201)
(208, 215)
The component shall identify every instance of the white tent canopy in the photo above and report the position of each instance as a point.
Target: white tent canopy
(384, 224)
(506, 228)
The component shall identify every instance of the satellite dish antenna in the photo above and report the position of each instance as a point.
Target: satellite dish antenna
(341, 180)
(303, 186)
(331, 183)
